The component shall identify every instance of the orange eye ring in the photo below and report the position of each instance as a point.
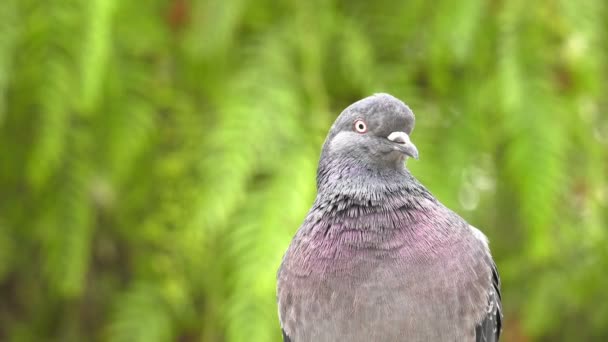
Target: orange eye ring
(360, 126)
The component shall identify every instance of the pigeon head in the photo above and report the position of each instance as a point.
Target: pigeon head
(374, 132)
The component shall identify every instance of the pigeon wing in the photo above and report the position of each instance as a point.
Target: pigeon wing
(489, 329)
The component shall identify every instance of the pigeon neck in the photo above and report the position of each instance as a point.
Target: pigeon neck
(351, 178)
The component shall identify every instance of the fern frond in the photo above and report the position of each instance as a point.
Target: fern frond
(8, 42)
(68, 238)
(140, 315)
(246, 130)
(283, 202)
(56, 91)
(214, 24)
(95, 52)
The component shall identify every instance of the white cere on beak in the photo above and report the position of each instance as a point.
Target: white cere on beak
(400, 137)
(407, 146)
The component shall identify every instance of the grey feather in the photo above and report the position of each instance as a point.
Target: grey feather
(491, 326)
(285, 337)
(378, 258)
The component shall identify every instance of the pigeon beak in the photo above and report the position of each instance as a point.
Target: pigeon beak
(404, 144)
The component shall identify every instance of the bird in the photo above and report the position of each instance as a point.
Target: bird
(378, 257)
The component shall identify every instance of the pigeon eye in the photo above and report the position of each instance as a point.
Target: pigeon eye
(360, 126)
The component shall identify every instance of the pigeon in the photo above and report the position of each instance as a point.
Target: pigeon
(378, 257)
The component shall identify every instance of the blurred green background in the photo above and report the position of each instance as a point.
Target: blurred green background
(156, 157)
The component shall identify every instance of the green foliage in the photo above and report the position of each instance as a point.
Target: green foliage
(156, 158)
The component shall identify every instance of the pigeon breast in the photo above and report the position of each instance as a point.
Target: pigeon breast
(383, 267)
